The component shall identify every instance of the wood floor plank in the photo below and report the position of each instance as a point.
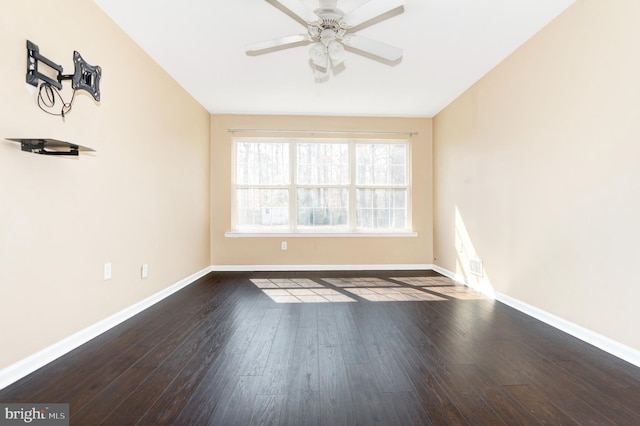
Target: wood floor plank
(303, 398)
(347, 328)
(236, 401)
(409, 409)
(335, 397)
(222, 352)
(121, 421)
(203, 400)
(388, 368)
(305, 364)
(308, 315)
(199, 384)
(328, 336)
(500, 401)
(268, 410)
(111, 396)
(255, 359)
(184, 367)
(539, 407)
(420, 363)
(353, 348)
(242, 335)
(465, 397)
(615, 385)
(508, 360)
(369, 403)
(303, 408)
(276, 375)
(326, 316)
(588, 405)
(437, 402)
(567, 401)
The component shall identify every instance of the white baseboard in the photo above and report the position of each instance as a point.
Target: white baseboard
(602, 342)
(458, 278)
(606, 344)
(390, 267)
(30, 364)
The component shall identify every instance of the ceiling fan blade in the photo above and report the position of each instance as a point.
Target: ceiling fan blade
(373, 47)
(278, 42)
(300, 10)
(370, 10)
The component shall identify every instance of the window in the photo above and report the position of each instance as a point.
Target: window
(311, 185)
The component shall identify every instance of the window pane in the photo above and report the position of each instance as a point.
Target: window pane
(381, 164)
(381, 209)
(262, 163)
(398, 153)
(323, 164)
(262, 208)
(326, 176)
(323, 207)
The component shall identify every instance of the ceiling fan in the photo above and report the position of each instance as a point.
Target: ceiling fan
(329, 29)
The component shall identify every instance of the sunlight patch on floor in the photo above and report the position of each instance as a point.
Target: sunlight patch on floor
(404, 289)
(299, 290)
(444, 286)
(425, 281)
(402, 294)
(286, 283)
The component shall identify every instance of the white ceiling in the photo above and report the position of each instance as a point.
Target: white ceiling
(448, 45)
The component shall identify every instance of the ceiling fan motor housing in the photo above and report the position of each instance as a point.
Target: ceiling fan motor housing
(329, 27)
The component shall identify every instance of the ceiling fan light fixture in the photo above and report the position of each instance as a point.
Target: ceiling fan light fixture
(336, 52)
(319, 55)
(327, 36)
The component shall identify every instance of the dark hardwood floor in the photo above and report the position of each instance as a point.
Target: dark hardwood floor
(222, 352)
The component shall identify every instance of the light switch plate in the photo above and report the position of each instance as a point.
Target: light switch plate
(107, 271)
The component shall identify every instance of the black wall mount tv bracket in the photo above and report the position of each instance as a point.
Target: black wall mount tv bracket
(85, 76)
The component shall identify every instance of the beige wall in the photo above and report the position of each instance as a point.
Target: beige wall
(537, 171)
(142, 198)
(320, 251)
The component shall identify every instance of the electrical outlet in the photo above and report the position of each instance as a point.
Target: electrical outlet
(475, 266)
(283, 245)
(107, 271)
(144, 271)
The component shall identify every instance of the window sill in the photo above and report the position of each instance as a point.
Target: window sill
(255, 234)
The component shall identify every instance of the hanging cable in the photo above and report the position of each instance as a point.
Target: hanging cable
(47, 95)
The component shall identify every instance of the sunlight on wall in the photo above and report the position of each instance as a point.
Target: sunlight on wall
(469, 266)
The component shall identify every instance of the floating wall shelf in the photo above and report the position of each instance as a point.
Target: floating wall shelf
(50, 146)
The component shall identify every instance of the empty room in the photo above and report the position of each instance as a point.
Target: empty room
(319, 212)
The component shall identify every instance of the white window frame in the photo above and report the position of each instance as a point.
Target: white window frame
(294, 230)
